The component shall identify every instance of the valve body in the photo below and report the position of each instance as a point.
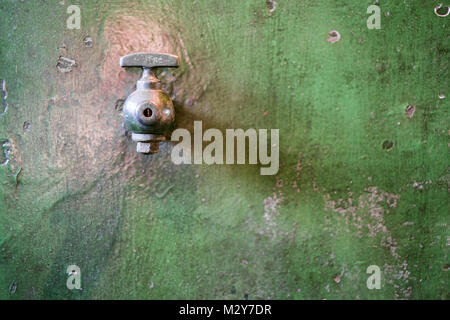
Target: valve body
(148, 112)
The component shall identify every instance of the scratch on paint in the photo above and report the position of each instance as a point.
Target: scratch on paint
(186, 55)
(16, 176)
(163, 194)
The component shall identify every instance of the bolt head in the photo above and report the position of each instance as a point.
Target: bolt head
(143, 147)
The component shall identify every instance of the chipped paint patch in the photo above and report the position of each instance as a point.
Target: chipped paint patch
(409, 111)
(271, 5)
(334, 36)
(65, 65)
(88, 42)
(398, 276)
(366, 216)
(271, 205)
(6, 151)
(421, 185)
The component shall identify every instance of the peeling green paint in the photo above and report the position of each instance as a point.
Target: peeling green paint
(339, 203)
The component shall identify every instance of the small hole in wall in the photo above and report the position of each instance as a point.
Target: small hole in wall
(334, 36)
(271, 5)
(387, 145)
(27, 126)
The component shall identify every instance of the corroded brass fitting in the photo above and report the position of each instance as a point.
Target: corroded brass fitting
(148, 112)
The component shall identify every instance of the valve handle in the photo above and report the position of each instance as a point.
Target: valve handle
(149, 60)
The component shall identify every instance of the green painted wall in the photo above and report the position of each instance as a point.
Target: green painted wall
(76, 192)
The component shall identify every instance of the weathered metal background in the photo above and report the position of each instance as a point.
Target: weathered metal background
(360, 182)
